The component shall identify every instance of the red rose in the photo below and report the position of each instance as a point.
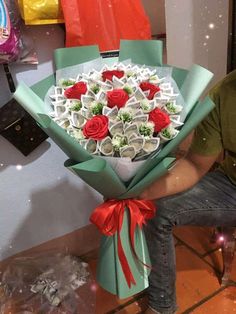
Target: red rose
(159, 118)
(153, 89)
(96, 128)
(117, 97)
(76, 91)
(108, 75)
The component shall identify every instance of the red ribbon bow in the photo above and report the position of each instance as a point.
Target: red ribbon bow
(108, 217)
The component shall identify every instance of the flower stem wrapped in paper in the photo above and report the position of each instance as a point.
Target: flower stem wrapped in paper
(118, 121)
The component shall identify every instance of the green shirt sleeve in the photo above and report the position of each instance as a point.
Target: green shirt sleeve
(207, 139)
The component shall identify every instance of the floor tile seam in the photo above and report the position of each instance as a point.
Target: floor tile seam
(210, 252)
(120, 307)
(189, 310)
(182, 242)
(204, 300)
(90, 256)
(197, 254)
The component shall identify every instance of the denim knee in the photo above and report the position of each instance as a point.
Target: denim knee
(163, 219)
(158, 227)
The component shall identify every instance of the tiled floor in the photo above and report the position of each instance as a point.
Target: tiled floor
(199, 264)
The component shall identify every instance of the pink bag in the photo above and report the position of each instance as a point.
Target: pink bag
(13, 46)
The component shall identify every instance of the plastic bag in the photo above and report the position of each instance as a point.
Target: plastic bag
(15, 44)
(47, 284)
(36, 12)
(104, 22)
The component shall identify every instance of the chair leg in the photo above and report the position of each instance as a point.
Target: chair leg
(228, 250)
(216, 231)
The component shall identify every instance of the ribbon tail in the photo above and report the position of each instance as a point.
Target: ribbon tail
(133, 225)
(124, 264)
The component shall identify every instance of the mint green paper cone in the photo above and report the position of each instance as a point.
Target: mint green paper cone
(194, 84)
(179, 75)
(148, 52)
(65, 57)
(109, 272)
(41, 88)
(157, 172)
(29, 100)
(99, 175)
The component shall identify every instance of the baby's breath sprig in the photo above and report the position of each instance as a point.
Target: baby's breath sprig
(125, 115)
(154, 79)
(146, 129)
(119, 141)
(144, 104)
(76, 106)
(78, 134)
(170, 107)
(66, 83)
(96, 108)
(130, 74)
(128, 89)
(95, 88)
(166, 133)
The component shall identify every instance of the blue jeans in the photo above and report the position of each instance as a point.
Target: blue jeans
(211, 202)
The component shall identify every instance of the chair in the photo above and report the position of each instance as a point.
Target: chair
(227, 236)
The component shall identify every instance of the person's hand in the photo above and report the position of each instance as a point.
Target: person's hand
(156, 190)
(150, 193)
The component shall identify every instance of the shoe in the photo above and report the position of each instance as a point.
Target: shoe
(149, 310)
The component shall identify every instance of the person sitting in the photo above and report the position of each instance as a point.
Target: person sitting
(191, 195)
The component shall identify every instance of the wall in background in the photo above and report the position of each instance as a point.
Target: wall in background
(197, 32)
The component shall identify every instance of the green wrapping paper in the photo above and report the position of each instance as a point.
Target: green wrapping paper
(98, 173)
(148, 52)
(65, 57)
(94, 172)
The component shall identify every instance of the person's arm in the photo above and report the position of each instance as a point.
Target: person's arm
(186, 173)
(204, 150)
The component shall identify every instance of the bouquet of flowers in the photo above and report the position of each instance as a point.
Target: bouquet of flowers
(122, 111)
(119, 122)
